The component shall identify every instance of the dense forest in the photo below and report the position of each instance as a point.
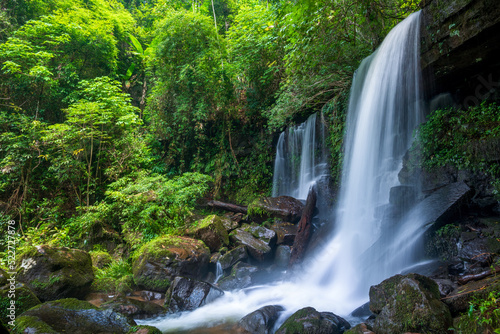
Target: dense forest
(126, 113)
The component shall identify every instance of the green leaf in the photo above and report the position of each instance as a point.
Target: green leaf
(136, 44)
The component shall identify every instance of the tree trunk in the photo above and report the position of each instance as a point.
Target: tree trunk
(228, 207)
(304, 230)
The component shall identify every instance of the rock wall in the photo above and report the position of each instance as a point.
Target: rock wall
(460, 49)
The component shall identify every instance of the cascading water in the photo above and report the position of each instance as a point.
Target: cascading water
(301, 159)
(384, 110)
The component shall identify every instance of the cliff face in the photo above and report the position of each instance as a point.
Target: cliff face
(461, 49)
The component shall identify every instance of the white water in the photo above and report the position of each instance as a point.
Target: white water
(383, 111)
(301, 159)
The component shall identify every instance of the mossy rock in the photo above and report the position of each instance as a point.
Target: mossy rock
(310, 321)
(187, 294)
(24, 300)
(233, 256)
(211, 231)
(412, 304)
(158, 262)
(258, 249)
(3, 277)
(134, 308)
(54, 273)
(359, 329)
(285, 208)
(71, 316)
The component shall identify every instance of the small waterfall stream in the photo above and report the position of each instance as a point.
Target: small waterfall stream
(384, 110)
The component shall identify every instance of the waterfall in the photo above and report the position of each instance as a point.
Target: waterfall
(364, 248)
(301, 159)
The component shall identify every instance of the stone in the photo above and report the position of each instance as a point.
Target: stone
(282, 256)
(409, 303)
(262, 320)
(134, 308)
(361, 328)
(477, 250)
(263, 234)
(142, 329)
(101, 259)
(285, 232)
(71, 316)
(3, 277)
(211, 231)
(285, 208)
(157, 263)
(258, 249)
(310, 321)
(24, 297)
(54, 273)
(362, 312)
(242, 276)
(187, 294)
(233, 256)
(445, 286)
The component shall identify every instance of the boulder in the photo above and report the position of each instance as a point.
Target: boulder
(233, 256)
(157, 263)
(134, 308)
(71, 316)
(24, 298)
(476, 249)
(263, 234)
(285, 232)
(310, 321)
(142, 329)
(459, 300)
(187, 294)
(211, 231)
(285, 208)
(262, 320)
(409, 303)
(258, 249)
(242, 276)
(101, 259)
(54, 273)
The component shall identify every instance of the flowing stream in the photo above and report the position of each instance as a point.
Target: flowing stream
(384, 109)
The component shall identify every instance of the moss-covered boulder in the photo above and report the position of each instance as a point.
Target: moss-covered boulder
(263, 234)
(100, 259)
(157, 263)
(71, 316)
(187, 294)
(54, 273)
(285, 208)
(211, 231)
(233, 256)
(359, 329)
(259, 250)
(261, 321)
(134, 308)
(24, 300)
(285, 232)
(409, 303)
(310, 321)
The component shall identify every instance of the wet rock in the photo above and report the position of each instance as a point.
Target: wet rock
(72, 316)
(242, 276)
(409, 303)
(151, 295)
(282, 256)
(477, 250)
(258, 249)
(211, 231)
(233, 256)
(134, 308)
(54, 273)
(459, 300)
(445, 286)
(161, 260)
(285, 232)
(362, 312)
(285, 208)
(310, 321)
(187, 294)
(403, 195)
(24, 298)
(262, 320)
(361, 328)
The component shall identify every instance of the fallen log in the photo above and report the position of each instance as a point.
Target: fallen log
(476, 277)
(228, 207)
(304, 230)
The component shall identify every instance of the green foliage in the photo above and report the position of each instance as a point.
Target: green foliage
(483, 316)
(114, 278)
(465, 139)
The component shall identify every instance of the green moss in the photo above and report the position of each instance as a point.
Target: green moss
(144, 330)
(100, 258)
(29, 324)
(159, 247)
